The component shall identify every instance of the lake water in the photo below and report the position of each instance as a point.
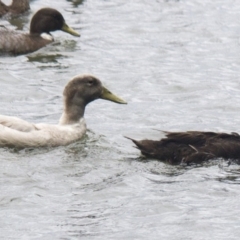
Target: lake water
(177, 64)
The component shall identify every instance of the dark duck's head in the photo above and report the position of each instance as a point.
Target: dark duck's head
(47, 20)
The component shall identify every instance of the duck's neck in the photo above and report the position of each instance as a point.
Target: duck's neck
(72, 115)
(20, 6)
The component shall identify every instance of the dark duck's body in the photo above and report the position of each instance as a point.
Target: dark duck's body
(191, 147)
(46, 20)
(17, 7)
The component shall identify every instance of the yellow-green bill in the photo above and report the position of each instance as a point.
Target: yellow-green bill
(107, 95)
(66, 28)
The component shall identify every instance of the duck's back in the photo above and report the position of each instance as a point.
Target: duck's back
(16, 124)
(192, 146)
(17, 7)
(3, 9)
(213, 145)
(14, 42)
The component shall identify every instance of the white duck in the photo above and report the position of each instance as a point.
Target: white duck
(79, 91)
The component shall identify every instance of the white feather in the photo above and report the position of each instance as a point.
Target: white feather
(47, 36)
(19, 133)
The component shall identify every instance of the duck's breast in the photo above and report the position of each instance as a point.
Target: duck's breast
(60, 135)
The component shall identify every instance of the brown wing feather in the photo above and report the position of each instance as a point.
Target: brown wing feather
(18, 43)
(3, 9)
(192, 146)
(15, 8)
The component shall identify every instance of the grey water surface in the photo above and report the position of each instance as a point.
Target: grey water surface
(177, 63)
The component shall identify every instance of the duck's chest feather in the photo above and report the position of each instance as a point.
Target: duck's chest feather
(18, 43)
(42, 135)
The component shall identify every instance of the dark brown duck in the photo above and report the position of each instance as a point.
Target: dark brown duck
(17, 7)
(191, 147)
(46, 20)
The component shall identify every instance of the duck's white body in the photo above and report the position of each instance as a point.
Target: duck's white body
(15, 132)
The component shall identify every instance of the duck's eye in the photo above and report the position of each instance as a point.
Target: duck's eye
(90, 82)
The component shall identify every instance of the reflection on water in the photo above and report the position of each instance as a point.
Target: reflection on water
(75, 3)
(20, 22)
(45, 58)
(177, 65)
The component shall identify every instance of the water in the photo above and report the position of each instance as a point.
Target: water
(177, 65)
